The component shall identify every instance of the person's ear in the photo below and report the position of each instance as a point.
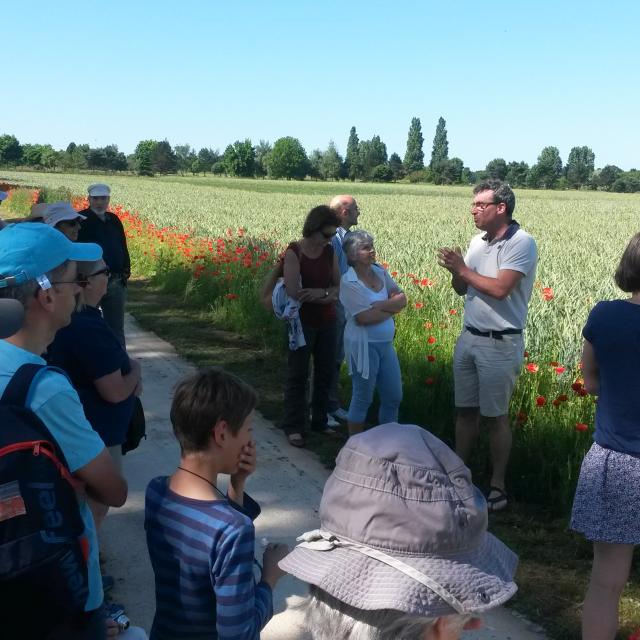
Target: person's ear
(220, 432)
(44, 299)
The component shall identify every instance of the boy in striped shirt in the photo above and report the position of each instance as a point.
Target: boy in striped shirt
(201, 542)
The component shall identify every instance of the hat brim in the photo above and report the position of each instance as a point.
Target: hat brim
(480, 579)
(53, 220)
(85, 251)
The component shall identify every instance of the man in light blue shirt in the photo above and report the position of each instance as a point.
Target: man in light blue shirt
(38, 268)
(347, 209)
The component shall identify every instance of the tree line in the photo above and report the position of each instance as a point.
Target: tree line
(365, 160)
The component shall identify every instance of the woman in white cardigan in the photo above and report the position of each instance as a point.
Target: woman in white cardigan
(371, 298)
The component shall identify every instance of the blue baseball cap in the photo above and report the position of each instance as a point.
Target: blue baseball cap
(28, 250)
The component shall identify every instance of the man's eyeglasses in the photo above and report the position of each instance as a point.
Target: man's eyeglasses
(481, 206)
(106, 271)
(80, 283)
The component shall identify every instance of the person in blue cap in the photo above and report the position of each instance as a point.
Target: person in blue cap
(38, 268)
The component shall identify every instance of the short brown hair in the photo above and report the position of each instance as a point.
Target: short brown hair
(628, 271)
(203, 399)
(318, 217)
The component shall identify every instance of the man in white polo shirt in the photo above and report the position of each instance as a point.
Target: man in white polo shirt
(496, 275)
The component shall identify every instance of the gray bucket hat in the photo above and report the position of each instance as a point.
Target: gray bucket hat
(402, 527)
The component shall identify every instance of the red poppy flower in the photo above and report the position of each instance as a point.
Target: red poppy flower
(581, 426)
(563, 397)
(541, 401)
(576, 386)
(429, 381)
(547, 293)
(526, 354)
(635, 635)
(394, 273)
(553, 363)
(559, 370)
(556, 402)
(583, 392)
(532, 367)
(385, 265)
(231, 296)
(453, 312)
(431, 340)
(418, 305)
(431, 358)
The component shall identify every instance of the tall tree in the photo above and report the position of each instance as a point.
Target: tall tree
(288, 159)
(163, 158)
(239, 159)
(440, 149)
(315, 163)
(351, 161)
(580, 166)
(517, 174)
(497, 168)
(372, 153)
(546, 172)
(10, 150)
(606, 177)
(207, 157)
(263, 149)
(142, 157)
(183, 153)
(414, 156)
(32, 154)
(331, 163)
(396, 166)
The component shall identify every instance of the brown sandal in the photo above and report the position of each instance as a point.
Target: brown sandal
(497, 502)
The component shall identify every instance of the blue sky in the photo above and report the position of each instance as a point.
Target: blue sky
(508, 77)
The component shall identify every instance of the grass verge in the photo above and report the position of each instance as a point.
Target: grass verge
(554, 562)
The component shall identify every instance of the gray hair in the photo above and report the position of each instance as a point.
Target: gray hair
(24, 293)
(328, 618)
(353, 241)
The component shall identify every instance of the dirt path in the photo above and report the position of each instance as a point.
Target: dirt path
(288, 485)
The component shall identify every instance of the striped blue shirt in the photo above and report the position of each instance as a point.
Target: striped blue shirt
(202, 553)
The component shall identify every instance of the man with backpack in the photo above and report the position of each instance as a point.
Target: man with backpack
(43, 421)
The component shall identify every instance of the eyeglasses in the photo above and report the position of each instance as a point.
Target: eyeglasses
(80, 283)
(106, 271)
(481, 206)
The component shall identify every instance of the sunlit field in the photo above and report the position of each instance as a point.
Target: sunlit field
(212, 239)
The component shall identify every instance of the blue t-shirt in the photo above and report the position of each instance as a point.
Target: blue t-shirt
(202, 553)
(55, 402)
(613, 328)
(87, 349)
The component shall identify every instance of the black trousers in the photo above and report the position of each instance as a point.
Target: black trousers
(321, 346)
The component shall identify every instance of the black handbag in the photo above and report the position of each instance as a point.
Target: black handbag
(137, 428)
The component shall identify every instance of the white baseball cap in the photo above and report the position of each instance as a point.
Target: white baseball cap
(60, 211)
(99, 190)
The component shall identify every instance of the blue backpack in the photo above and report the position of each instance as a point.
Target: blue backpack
(43, 550)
